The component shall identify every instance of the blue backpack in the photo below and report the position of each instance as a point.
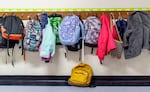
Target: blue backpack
(69, 30)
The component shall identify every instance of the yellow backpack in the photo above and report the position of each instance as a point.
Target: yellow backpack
(81, 75)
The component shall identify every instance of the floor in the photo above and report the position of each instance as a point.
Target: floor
(71, 89)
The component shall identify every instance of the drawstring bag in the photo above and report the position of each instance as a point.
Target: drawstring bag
(118, 41)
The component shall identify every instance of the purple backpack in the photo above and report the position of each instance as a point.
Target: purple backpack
(92, 28)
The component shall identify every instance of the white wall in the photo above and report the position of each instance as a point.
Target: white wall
(74, 4)
(63, 66)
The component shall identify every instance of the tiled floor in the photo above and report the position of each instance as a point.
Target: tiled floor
(71, 89)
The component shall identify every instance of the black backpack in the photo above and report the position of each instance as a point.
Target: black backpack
(11, 24)
(3, 41)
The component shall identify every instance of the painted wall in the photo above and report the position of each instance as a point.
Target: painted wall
(74, 4)
(62, 65)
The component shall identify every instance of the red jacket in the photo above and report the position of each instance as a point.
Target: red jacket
(105, 41)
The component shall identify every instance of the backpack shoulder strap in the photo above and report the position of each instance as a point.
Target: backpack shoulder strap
(83, 38)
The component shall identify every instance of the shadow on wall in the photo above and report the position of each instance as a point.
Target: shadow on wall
(62, 66)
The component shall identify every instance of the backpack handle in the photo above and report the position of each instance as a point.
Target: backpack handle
(83, 38)
(82, 30)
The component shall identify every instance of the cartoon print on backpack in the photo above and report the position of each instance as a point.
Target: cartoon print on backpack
(71, 33)
(69, 30)
(33, 35)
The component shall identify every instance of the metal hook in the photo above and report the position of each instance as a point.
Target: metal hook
(112, 15)
(79, 15)
(6, 14)
(119, 14)
(95, 14)
(71, 13)
(29, 17)
(119, 17)
(12, 14)
(127, 13)
(87, 14)
(103, 12)
(38, 15)
(3, 15)
(22, 15)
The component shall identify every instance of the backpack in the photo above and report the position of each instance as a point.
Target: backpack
(81, 75)
(13, 30)
(69, 30)
(33, 35)
(3, 41)
(92, 28)
(55, 20)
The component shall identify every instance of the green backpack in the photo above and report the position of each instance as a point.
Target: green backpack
(55, 21)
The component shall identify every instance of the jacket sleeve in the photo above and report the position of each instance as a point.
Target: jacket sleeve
(127, 33)
(45, 45)
(53, 43)
(48, 43)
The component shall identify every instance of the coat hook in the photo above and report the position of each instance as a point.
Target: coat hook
(127, 13)
(95, 14)
(119, 13)
(29, 17)
(38, 16)
(79, 15)
(103, 12)
(119, 16)
(3, 15)
(71, 13)
(112, 15)
(12, 14)
(87, 14)
(22, 15)
(6, 14)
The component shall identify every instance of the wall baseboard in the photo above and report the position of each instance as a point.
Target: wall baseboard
(62, 80)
